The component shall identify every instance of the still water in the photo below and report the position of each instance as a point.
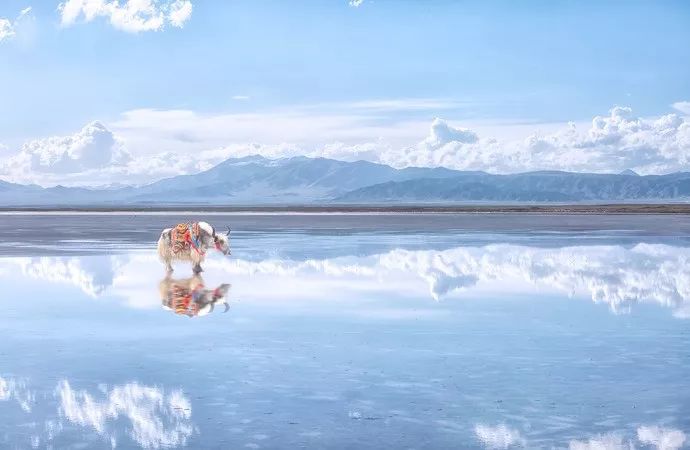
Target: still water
(419, 332)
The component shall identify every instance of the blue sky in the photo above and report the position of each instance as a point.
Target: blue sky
(503, 69)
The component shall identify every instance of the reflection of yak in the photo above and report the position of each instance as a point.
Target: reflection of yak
(189, 297)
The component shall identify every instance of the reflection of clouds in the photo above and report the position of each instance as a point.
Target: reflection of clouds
(498, 437)
(504, 437)
(148, 415)
(156, 419)
(92, 274)
(661, 438)
(615, 275)
(14, 389)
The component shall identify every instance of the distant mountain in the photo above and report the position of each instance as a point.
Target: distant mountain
(527, 187)
(256, 180)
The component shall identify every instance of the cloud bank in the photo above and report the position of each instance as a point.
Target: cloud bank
(146, 145)
(613, 143)
(132, 16)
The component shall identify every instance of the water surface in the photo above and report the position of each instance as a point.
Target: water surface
(359, 332)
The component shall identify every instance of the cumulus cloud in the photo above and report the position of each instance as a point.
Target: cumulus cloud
(613, 143)
(93, 147)
(146, 145)
(498, 437)
(8, 28)
(95, 155)
(355, 3)
(131, 15)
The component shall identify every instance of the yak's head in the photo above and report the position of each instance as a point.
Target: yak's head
(222, 242)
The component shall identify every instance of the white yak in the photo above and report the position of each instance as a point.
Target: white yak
(190, 242)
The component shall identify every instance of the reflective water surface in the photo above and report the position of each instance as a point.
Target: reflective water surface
(337, 338)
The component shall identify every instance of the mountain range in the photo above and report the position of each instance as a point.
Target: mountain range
(255, 180)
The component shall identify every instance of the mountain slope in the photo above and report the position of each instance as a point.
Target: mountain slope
(532, 186)
(256, 180)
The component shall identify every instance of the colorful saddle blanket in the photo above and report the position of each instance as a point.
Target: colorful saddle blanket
(185, 236)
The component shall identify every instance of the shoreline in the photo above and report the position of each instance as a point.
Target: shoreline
(565, 209)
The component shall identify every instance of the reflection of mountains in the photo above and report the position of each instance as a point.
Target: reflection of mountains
(150, 416)
(612, 274)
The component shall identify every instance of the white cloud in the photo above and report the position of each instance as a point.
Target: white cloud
(613, 143)
(8, 28)
(683, 107)
(93, 147)
(145, 145)
(131, 15)
(661, 438)
(355, 3)
(498, 437)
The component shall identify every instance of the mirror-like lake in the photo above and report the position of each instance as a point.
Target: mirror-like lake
(344, 332)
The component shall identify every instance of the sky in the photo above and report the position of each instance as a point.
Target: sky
(99, 92)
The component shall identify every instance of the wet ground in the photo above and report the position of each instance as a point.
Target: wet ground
(348, 331)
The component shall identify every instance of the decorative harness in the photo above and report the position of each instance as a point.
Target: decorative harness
(186, 235)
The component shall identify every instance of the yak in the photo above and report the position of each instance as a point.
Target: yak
(190, 242)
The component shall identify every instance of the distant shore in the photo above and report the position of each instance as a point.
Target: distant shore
(651, 208)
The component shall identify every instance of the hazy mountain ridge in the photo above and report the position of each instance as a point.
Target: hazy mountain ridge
(302, 180)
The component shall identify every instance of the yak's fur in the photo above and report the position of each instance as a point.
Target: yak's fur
(209, 239)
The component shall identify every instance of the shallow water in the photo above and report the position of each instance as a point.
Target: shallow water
(415, 332)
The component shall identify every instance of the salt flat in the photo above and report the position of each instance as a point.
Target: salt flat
(441, 331)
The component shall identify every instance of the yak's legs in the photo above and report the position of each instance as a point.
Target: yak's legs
(197, 268)
(168, 267)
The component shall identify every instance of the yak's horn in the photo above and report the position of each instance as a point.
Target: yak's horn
(227, 307)
(228, 230)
